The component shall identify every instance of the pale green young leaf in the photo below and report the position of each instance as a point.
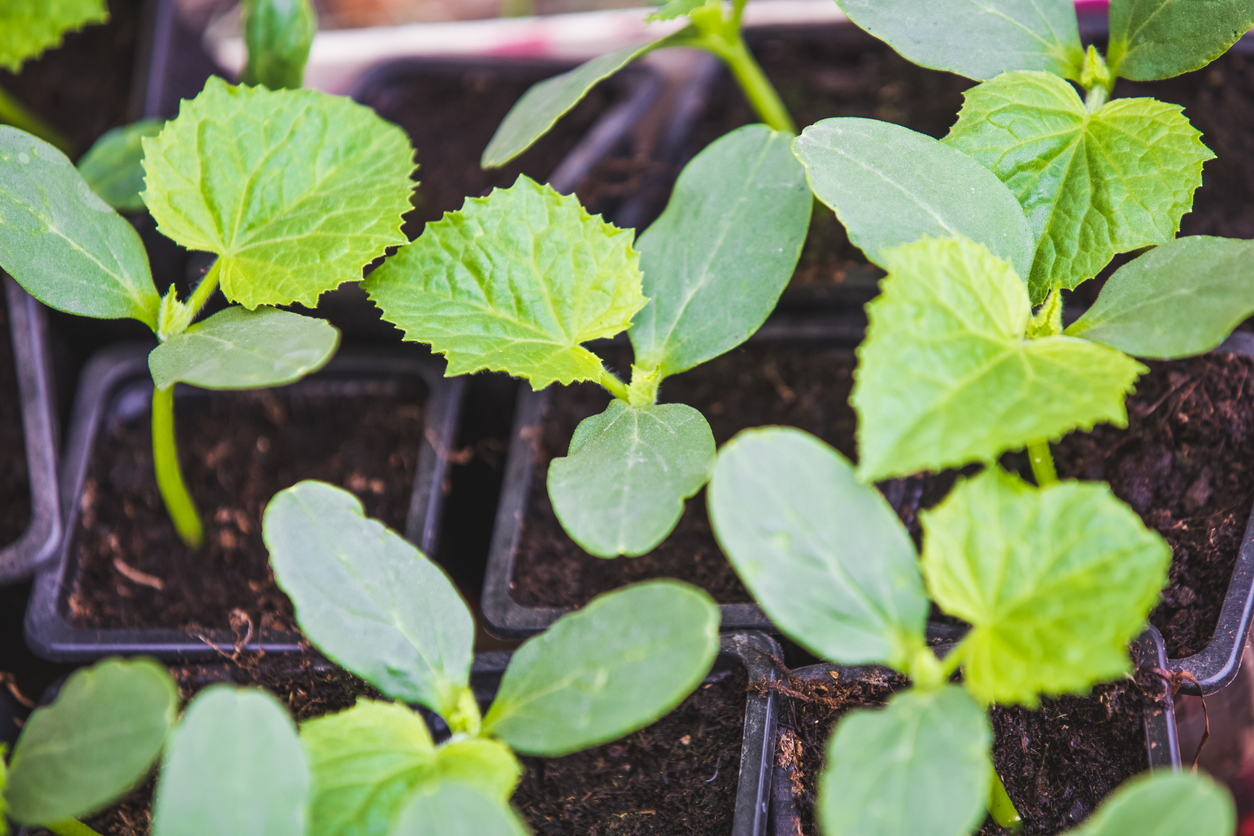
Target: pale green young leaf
(1153, 39)
(278, 34)
(114, 166)
(977, 40)
(918, 766)
(1092, 184)
(488, 765)
(241, 349)
(622, 486)
(615, 666)
(921, 187)
(234, 767)
(450, 808)
(1177, 300)
(718, 258)
(1054, 582)
(63, 243)
(367, 598)
(798, 527)
(295, 190)
(1164, 803)
(28, 27)
(674, 9)
(516, 282)
(93, 744)
(945, 377)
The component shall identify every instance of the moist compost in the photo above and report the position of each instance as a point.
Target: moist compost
(238, 449)
(15, 507)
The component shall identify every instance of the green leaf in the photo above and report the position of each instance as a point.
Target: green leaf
(673, 9)
(977, 40)
(622, 487)
(278, 34)
(1177, 300)
(919, 766)
(449, 808)
(718, 258)
(28, 27)
(798, 526)
(367, 598)
(514, 282)
(63, 243)
(487, 765)
(296, 190)
(114, 166)
(234, 767)
(1092, 184)
(242, 349)
(1054, 581)
(1164, 804)
(921, 187)
(945, 378)
(93, 744)
(1153, 39)
(606, 670)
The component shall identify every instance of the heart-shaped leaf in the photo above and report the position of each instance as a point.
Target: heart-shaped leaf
(114, 167)
(1164, 804)
(1152, 39)
(450, 808)
(28, 28)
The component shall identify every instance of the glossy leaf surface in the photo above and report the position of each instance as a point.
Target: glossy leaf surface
(28, 27)
(1152, 39)
(945, 377)
(1163, 804)
(615, 666)
(114, 166)
(278, 34)
(449, 808)
(296, 190)
(1054, 581)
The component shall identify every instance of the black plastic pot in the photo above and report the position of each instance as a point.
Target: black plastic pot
(117, 382)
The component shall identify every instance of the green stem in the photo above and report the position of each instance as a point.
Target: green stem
(722, 37)
(13, 112)
(205, 289)
(1042, 463)
(165, 458)
(615, 386)
(70, 827)
(1001, 808)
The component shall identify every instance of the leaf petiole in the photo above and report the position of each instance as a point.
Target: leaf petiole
(615, 386)
(165, 456)
(1042, 463)
(205, 289)
(1001, 808)
(70, 827)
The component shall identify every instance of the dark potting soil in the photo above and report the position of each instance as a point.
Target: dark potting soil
(15, 507)
(238, 450)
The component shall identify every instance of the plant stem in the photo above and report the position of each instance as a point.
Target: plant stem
(70, 827)
(1042, 463)
(722, 37)
(615, 386)
(205, 289)
(13, 112)
(165, 458)
(1001, 808)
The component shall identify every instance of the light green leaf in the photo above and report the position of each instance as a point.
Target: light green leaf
(1164, 804)
(977, 40)
(514, 282)
(28, 27)
(798, 528)
(1054, 581)
(1153, 39)
(278, 34)
(234, 767)
(673, 9)
(718, 258)
(609, 669)
(62, 242)
(945, 378)
(114, 167)
(93, 744)
(921, 187)
(368, 599)
(1092, 184)
(296, 190)
(242, 349)
(622, 487)
(449, 808)
(487, 765)
(919, 766)
(1177, 300)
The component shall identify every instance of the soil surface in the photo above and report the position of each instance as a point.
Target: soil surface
(238, 450)
(15, 506)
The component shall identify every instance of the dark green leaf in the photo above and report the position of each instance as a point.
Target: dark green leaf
(1152, 39)
(28, 27)
(449, 808)
(278, 34)
(1164, 804)
(114, 167)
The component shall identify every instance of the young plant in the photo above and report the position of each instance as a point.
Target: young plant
(520, 280)
(295, 191)
(711, 27)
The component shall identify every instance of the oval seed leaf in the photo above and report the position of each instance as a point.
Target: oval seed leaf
(718, 258)
(1092, 184)
(278, 34)
(93, 744)
(63, 243)
(367, 598)
(798, 528)
(450, 808)
(977, 40)
(921, 187)
(114, 167)
(1177, 300)
(621, 488)
(919, 766)
(1153, 39)
(28, 28)
(296, 190)
(606, 670)
(242, 349)
(515, 282)
(1164, 804)
(945, 377)
(1054, 581)
(234, 767)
